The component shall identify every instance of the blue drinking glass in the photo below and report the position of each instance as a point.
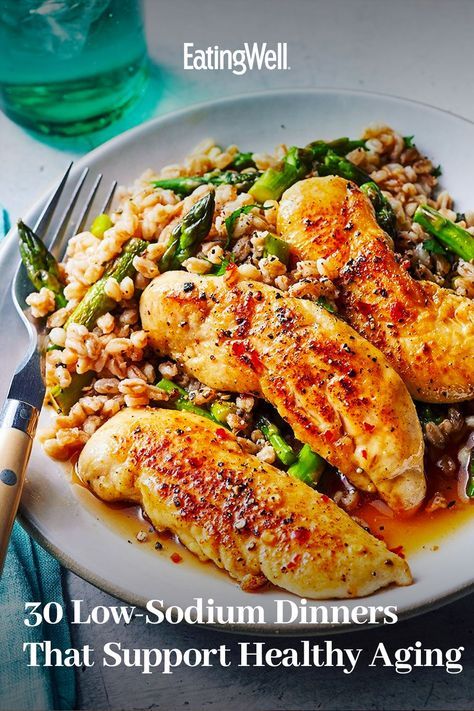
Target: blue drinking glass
(68, 67)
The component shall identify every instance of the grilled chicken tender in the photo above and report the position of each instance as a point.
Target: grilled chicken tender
(426, 332)
(225, 505)
(335, 389)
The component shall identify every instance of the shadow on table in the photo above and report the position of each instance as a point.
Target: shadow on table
(162, 82)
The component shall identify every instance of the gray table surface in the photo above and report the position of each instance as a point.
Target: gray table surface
(420, 49)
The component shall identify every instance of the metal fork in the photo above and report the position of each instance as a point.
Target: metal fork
(20, 412)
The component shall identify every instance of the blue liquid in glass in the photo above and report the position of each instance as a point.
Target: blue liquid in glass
(70, 66)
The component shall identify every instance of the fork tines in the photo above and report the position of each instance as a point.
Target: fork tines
(56, 232)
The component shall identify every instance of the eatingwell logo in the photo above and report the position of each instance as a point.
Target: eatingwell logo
(238, 61)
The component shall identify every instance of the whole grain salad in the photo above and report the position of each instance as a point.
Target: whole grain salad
(271, 354)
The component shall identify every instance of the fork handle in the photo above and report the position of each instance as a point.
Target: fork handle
(17, 428)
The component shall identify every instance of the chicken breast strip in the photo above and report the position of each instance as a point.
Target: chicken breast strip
(193, 479)
(334, 389)
(426, 332)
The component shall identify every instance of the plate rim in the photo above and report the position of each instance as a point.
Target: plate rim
(270, 629)
(201, 105)
(263, 630)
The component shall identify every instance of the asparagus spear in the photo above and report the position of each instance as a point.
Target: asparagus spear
(96, 303)
(297, 164)
(182, 401)
(340, 146)
(271, 432)
(64, 398)
(187, 185)
(41, 267)
(308, 467)
(243, 161)
(188, 233)
(456, 239)
(221, 409)
(383, 210)
(333, 164)
(276, 247)
(273, 182)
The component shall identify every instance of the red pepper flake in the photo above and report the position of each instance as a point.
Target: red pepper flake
(398, 550)
(231, 267)
(368, 427)
(222, 433)
(176, 558)
(364, 453)
(325, 498)
(247, 355)
(329, 436)
(364, 308)
(398, 312)
(238, 349)
(255, 360)
(300, 534)
(294, 562)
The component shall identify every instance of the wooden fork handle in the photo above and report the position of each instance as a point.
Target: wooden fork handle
(17, 428)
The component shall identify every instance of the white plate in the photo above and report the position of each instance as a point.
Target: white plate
(51, 509)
